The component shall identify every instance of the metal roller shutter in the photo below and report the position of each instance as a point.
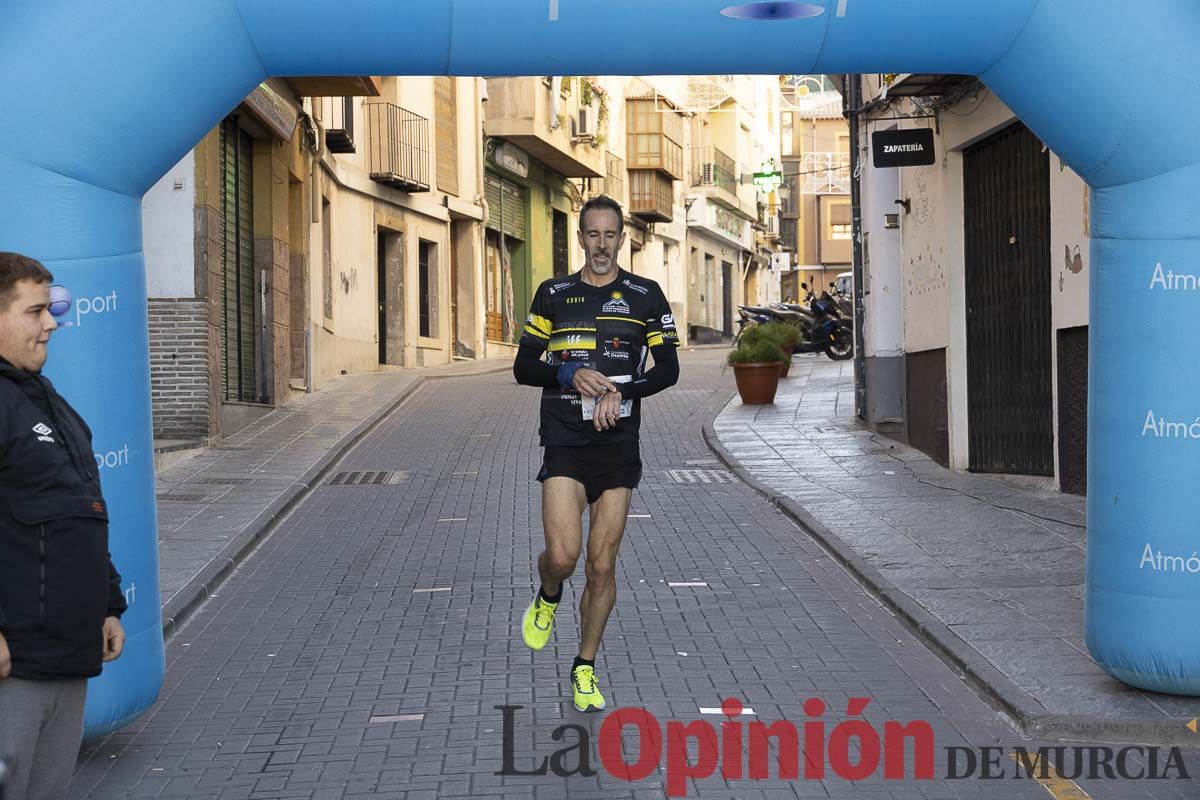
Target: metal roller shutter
(506, 207)
(238, 350)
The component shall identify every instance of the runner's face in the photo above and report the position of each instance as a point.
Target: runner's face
(601, 239)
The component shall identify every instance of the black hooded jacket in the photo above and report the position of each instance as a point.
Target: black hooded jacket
(57, 581)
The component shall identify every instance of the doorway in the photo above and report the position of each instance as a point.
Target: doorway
(389, 293)
(561, 245)
(1006, 212)
(727, 298)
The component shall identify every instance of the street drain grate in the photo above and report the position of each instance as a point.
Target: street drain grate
(369, 478)
(701, 476)
(183, 498)
(224, 481)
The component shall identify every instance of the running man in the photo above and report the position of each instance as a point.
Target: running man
(598, 326)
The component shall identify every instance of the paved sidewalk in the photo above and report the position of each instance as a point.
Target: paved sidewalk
(989, 571)
(214, 506)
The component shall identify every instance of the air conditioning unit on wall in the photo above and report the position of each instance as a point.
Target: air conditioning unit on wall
(586, 123)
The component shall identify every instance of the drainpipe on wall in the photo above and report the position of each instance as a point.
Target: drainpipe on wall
(316, 150)
(481, 199)
(854, 103)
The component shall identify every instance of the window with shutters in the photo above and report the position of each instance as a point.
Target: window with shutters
(839, 221)
(446, 124)
(239, 356)
(654, 138)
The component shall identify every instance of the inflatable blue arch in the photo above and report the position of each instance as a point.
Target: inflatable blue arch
(101, 98)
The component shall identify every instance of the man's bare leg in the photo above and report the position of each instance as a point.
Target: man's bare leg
(563, 501)
(608, 516)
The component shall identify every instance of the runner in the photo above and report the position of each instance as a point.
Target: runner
(598, 326)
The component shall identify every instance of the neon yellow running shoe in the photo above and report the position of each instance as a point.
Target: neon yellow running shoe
(587, 691)
(538, 622)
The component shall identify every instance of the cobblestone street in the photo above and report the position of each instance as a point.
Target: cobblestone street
(364, 648)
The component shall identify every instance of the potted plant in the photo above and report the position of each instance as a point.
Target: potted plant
(783, 334)
(756, 369)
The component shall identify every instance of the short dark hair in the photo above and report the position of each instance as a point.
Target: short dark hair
(15, 267)
(603, 202)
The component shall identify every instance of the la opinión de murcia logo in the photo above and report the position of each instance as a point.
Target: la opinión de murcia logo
(853, 749)
(61, 304)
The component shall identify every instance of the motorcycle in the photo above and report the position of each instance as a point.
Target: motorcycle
(748, 317)
(829, 332)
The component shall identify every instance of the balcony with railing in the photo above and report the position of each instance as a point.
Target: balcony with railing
(651, 195)
(554, 129)
(336, 115)
(398, 150)
(715, 176)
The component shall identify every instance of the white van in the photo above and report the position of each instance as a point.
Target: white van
(844, 284)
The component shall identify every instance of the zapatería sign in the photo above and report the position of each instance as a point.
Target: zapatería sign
(906, 148)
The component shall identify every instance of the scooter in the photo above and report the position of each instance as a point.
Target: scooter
(830, 333)
(748, 317)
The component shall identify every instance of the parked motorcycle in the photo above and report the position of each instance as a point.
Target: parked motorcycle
(829, 332)
(822, 327)
(748, 317)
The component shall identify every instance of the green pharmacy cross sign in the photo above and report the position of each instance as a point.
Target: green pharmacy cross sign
(768, 178)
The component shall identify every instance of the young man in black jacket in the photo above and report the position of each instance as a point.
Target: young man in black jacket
(60, 596)
(598, 326)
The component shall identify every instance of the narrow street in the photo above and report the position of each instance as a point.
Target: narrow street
(364, 649)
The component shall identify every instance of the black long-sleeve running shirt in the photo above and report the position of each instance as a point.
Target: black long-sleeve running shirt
(611, 329)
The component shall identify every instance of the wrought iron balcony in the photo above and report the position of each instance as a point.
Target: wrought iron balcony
(712, 167)
(337, 116)
(397, 147)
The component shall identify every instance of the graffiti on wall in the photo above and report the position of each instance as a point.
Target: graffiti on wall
(921, 215)
(926, 273)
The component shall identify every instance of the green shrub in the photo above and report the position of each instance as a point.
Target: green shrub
(755, 333)
(757, 351)
(783, 334)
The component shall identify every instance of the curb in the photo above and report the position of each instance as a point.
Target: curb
(180, 607)
(1031, 718)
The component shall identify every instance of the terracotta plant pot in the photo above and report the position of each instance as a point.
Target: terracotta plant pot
(756, 383)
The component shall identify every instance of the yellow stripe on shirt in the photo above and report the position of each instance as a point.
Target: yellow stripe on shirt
(535, 332)
(625, 319)
(541, 323)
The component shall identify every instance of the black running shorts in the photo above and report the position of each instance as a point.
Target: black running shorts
(597, 467)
